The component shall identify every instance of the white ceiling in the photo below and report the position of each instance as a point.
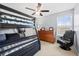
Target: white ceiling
(53, 7)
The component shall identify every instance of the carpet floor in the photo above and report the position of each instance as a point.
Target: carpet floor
(48, 49)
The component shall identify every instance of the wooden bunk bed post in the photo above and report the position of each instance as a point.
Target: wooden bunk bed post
(37, 32)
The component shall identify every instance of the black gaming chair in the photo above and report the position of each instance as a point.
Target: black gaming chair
(67, 40)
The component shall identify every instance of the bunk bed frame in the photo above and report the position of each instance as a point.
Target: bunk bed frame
(14, 45)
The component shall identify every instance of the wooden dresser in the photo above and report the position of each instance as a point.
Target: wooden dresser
(47, 35)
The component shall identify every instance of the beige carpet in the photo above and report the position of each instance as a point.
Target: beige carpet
(48, 49)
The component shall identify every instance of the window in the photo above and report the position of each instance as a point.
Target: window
(64, 23)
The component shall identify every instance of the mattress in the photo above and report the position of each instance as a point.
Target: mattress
(27, 46)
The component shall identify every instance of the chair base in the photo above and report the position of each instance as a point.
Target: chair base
(65, 48)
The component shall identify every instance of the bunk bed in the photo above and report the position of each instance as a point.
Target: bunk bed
(13, 44)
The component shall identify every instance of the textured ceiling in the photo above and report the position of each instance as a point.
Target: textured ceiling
(53, 7)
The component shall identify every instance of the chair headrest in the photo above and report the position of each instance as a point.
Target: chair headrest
(69, 34)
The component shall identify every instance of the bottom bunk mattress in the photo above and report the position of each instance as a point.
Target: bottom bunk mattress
(26, 46)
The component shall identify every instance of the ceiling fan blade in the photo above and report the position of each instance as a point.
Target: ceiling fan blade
(44, 10)
(33, 13)
(30, 9)
(41, 14)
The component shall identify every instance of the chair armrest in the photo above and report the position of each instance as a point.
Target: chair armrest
(61, 37)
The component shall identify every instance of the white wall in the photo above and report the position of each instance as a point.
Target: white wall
(30, 31)
(76, 26)
(47, 21)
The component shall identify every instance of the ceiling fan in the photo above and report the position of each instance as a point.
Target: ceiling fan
(37, 10)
